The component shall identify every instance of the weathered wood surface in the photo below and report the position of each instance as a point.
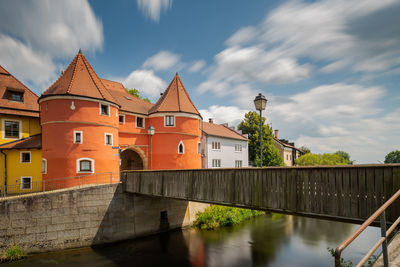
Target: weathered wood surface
(353, 192)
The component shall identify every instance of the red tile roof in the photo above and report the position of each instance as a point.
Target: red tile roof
(33, 141)
(29, 106)
(175, 99)
(79, 79)
(127, 101)
(222, 131)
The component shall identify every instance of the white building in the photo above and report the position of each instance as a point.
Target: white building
(223, 147)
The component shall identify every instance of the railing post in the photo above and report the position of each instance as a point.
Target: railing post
(384, 244)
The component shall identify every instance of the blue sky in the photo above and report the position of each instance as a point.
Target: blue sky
(330, 69)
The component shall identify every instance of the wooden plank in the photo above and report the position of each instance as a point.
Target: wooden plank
(389, 192)
(379, 187)
(396, 187)
(307, 206)
(312, 182)
(371, 195)
(362, 186)
(299, 191)
(339, 192)
(354, 193)
(292, 185)
(346, 192)
(274, 190)
(332, 201)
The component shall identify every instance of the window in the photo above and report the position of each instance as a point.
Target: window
(85, 165)
(108, 139)
(11, 129)
(287, 156)
(199, 124)
(26, 182)
(44, 166)
(238, 148)
(199, 148)
(238, 164)
(216, 145)
(169, 120)
(25, 157)
(14, 95)
(104, 109)
(216, 163)
(121, 119)
(139, 122)
(181, 148)
(78, 137)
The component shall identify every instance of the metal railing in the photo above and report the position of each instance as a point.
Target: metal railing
(382, 241)
(58, 183)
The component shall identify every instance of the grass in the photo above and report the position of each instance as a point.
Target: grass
(14, 253)
(348, 263)
(218, 216)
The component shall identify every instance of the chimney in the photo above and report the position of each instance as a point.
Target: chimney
(276, 131)
(210, 120)
(225, 124)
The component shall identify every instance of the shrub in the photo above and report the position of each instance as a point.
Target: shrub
(14, 253)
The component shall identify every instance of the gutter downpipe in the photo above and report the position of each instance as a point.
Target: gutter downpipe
(5, 172)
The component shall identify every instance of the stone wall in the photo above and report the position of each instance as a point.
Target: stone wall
(87, 216)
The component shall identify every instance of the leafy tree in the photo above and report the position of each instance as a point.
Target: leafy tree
(251, 125)
(345, 155)
(135, 92)
(305, 149)
(311, 159)
(393, 157)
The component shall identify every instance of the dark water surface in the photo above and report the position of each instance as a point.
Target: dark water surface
(271, 240)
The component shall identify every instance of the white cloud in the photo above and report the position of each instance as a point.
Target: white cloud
(146, 82)
(36, 34)
(197, 65)
(242, 36)
(153, 8)
(223, 114)
(163, 60)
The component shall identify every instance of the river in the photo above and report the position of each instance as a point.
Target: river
(270, 240)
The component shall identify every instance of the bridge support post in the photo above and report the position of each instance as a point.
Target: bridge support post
(384, 244)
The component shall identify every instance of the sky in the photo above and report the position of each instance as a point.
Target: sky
(329, 69)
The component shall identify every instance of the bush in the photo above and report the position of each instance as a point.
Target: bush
(219, 216)
(12, 254)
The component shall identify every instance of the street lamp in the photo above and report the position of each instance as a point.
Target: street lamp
(260, 102)
(151, 131)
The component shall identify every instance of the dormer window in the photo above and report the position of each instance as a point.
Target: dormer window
(104, 109)
(13, 95)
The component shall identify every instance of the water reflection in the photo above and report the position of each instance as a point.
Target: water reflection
(271, 240)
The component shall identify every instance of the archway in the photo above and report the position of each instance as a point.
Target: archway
(131, 159)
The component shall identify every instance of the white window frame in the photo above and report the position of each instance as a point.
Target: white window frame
(123, 116)
(183, 146)
(81, 132)
(165, 121)
(108, 107)
(78, 165)
(240, 148)
(105, 139)
(198, 147)
(216, 161)
(3, 132)
(45, 166)
(20, 157)
(237, 163)
(144, 122)
(30, 188)
(213, 147)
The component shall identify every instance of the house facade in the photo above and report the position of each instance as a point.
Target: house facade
(287, 150)
(223, 147)
(85, 121)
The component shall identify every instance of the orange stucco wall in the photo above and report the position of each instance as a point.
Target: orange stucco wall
(59, 122)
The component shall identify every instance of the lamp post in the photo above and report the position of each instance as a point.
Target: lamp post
(260, 102)
(151, 131)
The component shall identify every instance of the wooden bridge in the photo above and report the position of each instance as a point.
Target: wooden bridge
(350, 193)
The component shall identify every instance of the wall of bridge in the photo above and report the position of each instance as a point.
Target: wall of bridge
(351, 192)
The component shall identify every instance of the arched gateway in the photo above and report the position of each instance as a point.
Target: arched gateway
(133, 159)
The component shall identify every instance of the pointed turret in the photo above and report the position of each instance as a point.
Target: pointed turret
(79, 79)
(175, 99)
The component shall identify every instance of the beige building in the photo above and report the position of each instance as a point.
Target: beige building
(287, 150)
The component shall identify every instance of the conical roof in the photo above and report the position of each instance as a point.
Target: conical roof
(175, 99)
(79, 79)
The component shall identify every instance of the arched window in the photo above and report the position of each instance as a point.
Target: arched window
(181, 148)
(85, 165)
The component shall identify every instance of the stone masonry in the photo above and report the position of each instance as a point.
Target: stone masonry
(88, 216)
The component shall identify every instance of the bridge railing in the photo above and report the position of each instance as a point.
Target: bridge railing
(381, 242)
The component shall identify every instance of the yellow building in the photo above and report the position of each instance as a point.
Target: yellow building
(287, 150)
(20, 140)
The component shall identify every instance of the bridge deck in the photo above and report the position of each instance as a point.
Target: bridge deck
(350, 192)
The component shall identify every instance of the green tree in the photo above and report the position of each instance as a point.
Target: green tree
(393, 157)
(345, 155)
(135, 92)
(311, 159)
(251, 125)
(305, 149)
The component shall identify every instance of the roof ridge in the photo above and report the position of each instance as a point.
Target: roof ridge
(159, 101)
(26, 87)
(231, 130)
(177, 93)
(91, 77)
(187, 94)
(73, 73)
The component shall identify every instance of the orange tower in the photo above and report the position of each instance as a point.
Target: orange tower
(79, 119)
(177, 123)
